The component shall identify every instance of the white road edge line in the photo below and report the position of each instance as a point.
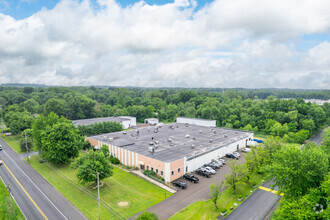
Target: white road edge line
(35, 185)
(14, 199)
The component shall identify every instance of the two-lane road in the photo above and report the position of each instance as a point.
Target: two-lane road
(36, 198)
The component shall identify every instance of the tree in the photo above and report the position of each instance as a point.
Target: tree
(295, 171)
(215, 191)
(236, 175)
(90, 164)
(105, 150)
(61, 142)
(147, 216)
(40, 124)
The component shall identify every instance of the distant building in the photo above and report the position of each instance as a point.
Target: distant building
(171, 150)
(126, 121)
(197, 121)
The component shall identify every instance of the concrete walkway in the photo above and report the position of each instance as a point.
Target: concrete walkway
(141, 175)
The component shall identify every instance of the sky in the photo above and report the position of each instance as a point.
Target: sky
(163, 43)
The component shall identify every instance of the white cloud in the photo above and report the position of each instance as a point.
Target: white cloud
(228, 43)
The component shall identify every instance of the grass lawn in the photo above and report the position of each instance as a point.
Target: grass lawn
(205, 209)
(135, 194)
(5, 212)
(13, 141)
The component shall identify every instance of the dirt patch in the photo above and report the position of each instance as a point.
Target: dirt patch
(122, 204)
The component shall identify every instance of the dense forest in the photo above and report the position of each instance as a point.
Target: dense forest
(255, 110)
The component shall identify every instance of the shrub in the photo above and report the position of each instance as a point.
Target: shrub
(223, 210)
(147, 216)
(114, 160)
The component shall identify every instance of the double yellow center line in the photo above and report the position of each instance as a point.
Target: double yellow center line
(27, 194)
(270, 190)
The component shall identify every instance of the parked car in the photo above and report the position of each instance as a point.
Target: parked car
(223, 161)
(0, 162)
(234, 156)
(236, 153)
(246, 150)
(180, 184)
(204, 173)
(0, 147)
(218, 162)
(191, 178)
(215, 164)
(211, 170)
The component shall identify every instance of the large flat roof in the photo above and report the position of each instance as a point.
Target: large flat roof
(85, 122)
(173, 140)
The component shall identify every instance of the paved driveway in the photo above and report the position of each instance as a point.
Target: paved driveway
(256, 206)
(193, 193)
(317, 139)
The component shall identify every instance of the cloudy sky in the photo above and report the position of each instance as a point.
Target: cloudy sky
(166, 43)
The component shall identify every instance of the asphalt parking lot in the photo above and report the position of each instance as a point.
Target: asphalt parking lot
(193, 193)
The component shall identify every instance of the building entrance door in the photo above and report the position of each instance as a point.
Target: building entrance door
(142, 166)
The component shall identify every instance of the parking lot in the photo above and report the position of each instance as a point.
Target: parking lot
(193, 193)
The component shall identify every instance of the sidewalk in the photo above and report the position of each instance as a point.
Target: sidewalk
(141, 175)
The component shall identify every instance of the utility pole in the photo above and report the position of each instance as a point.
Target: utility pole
(98, 192)
(27, 149)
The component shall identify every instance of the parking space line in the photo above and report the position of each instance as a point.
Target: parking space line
(270, 190)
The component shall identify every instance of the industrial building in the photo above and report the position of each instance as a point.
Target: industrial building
(125, 121)
(173, 149)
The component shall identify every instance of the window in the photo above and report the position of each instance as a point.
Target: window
(172, 173)
(161, 173)
(147, 167)
(156, 170)
(179, 170)
(152, 169)
(186, 169)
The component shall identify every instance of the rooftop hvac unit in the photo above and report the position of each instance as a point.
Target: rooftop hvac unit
(151, 143)
(156, 146)
(215, 132)
(187, 125)
(169, 140)
(211, 140)
(151, 149)
(156, 130)
(200, 131)
(115, 138)
(187, 135)
(148, 129)
(177, 126)
(156, 142)
(124, 132)
(194, 138)
(225, 135)
(192, 146)
(172, 144)
(170, 127)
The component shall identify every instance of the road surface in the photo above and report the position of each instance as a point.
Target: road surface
(36, 198)
(256, 206)
(193, 193)
(317, 139)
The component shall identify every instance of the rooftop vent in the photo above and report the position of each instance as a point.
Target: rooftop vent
(170, 127)
(151, 149)
(211, 140)
(194, 138)
(156, 130)
(151, 143)
(200, 131)
(171, 144)
(215, 132)
(124, 132)
(177, 126)
(236, 132)
(187, 136)
(148, 129)
(225, 135)
(193, 146)
(169, 140)
(187, 125)
(156, 146)
(156, 142)
(115, 138)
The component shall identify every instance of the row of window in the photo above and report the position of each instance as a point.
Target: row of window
(152, 169)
